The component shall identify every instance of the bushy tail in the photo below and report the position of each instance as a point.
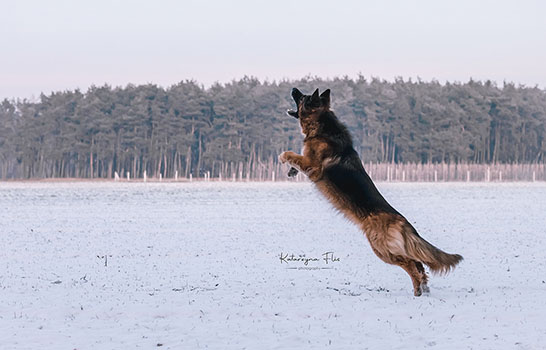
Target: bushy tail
(419, 249)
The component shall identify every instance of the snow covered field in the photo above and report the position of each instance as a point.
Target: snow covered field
(197, 265)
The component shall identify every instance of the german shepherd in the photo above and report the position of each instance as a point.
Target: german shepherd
(331, 163)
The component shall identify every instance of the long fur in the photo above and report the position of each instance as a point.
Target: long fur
(330, 161)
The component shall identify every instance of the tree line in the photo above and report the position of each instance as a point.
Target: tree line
(234, 128)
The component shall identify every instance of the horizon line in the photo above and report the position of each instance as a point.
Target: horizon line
(406, 79)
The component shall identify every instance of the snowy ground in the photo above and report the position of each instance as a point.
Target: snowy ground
(197, 265)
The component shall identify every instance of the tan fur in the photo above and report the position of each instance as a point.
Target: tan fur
(392, 237)
(311, 162)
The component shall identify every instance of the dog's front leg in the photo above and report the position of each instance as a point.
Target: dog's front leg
(292, 172)
(297, 161)
(293, 159)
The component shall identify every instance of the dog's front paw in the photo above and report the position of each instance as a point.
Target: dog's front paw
(292, 172)
(283, 157)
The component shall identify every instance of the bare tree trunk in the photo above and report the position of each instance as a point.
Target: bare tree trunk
(198, 157)
(89, 169)
(188, 163)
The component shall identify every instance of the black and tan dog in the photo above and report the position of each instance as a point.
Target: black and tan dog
(332, 164)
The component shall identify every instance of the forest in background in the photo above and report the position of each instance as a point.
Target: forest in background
(236, 129)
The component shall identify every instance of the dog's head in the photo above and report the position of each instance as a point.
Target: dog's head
(310, 107)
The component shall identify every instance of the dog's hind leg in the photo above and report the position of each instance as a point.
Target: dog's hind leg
(414, 269)
(417, 273)
(424, 277)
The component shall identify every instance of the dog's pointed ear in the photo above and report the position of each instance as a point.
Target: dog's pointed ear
(292, 113)
(325, 98)
(296, 95)
(315, 98)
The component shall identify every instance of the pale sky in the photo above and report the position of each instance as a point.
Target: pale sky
(57, 45)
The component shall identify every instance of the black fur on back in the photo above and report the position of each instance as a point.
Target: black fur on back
(348, 174)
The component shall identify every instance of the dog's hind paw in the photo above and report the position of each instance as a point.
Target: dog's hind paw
(422, 290)
(425, 289)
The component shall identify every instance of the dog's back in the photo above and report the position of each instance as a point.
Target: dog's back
(348, 180)
(344, 180)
